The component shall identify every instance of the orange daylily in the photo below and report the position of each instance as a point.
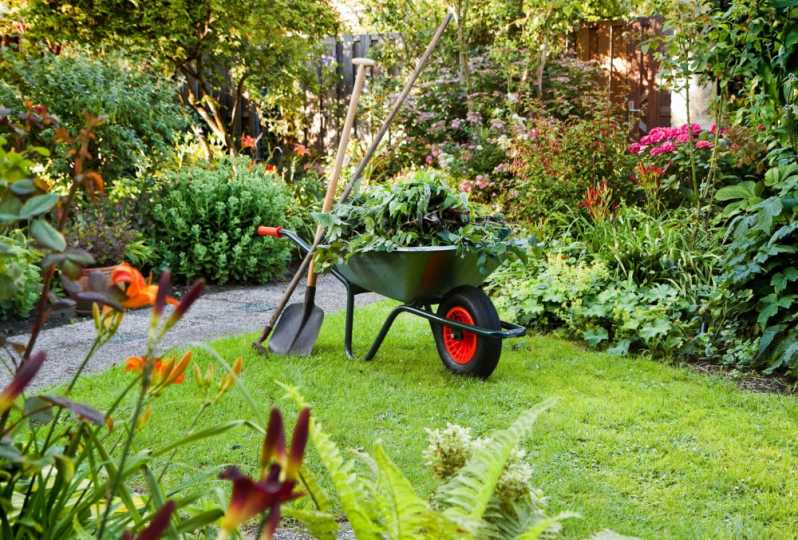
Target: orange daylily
(139, 292)
(134, 363)
(165, 371)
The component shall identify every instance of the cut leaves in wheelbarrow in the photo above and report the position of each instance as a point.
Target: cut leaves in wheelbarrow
(419, 210)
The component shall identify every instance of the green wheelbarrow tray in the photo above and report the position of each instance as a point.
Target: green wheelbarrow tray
(419, 277)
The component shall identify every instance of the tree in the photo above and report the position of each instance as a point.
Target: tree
(257, 48)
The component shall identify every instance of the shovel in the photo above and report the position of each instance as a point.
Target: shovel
(355, 179)
(299, 326)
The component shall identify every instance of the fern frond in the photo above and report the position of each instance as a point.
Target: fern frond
(409, 516)
(346, 483)
(468, 493)
(321, 500)
(521, 520)
(545, 527)
(321, 525)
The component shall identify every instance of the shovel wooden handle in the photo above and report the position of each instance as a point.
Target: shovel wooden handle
(332, 185)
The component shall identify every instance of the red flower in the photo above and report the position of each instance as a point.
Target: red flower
(248, 141)
(280, 472)
(271, 168)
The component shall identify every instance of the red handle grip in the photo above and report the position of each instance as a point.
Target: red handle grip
(274, 232)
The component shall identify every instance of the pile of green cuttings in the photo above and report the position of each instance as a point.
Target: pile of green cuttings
(420, 210)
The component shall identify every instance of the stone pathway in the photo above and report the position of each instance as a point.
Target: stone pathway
(216, 314)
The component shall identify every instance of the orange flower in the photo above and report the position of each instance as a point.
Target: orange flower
(165, 371)
(139, 292)
(271, 168)
(300, 150)
(171, 372)
(134, 363)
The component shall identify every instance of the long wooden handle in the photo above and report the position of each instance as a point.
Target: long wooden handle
(354, 181)
(332, 186)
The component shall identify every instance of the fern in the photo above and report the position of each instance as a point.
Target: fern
(468, 493)
(321, 525)
(523, 520)
(346, 483)
(410, 516)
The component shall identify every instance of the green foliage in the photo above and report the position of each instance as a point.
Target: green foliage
(142, 117)
(106, 231)
(557, 162)
(762, 258)
(653, 249)
(20, 276)
(633, 282)
(262, 45)
(202, 223)
(419, 210)
(751, 48)
(384, 503)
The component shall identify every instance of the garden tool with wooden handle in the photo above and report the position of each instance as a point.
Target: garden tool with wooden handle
(299, 327)
(354, 181)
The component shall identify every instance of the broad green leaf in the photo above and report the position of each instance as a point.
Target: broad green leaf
(47, 236)
(37, 205)
(594, 336)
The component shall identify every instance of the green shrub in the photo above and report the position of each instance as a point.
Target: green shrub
(632, 282)
(202, 223)
(762, 259)
(107, 232)
(20, 276)
(654, 249)
(555, 163)
(143, 117)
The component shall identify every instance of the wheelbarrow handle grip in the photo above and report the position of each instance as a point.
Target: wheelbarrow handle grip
(274, 232)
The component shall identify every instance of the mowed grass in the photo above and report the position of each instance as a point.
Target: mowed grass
(633, 445)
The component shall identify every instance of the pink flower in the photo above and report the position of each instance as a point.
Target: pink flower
(704, 145)
(635, 148)
(533, 133)
(682, 138)
(482, 181)
(664, 148)
(696, 129)
(466, 186)
(713, 128)
(430, 160)
(456, 123)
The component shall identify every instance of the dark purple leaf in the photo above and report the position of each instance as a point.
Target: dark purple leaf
(84, 412)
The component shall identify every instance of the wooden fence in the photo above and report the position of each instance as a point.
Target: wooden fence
(631, 75)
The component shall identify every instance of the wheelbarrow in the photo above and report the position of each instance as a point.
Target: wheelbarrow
(467, 329)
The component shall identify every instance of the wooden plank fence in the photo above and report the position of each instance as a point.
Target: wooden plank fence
(631, 74)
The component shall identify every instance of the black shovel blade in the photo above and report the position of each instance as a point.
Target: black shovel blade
(297, 331)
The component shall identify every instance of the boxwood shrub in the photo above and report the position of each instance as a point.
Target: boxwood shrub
(202, 223)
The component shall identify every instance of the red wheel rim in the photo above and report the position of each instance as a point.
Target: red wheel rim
(461, 345)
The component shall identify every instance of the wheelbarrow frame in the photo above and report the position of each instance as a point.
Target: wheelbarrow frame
(421, 308)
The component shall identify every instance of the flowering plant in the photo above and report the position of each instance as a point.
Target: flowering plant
(675, 164)
(66, 468)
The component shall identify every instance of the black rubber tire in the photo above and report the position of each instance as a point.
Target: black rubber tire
(482, 311)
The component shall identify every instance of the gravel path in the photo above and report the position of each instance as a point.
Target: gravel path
(216, 314)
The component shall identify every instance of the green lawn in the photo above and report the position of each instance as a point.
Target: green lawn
(633, 445)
